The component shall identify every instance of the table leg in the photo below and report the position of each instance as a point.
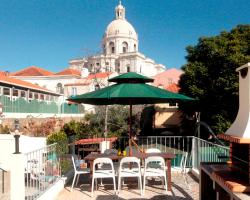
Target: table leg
(169, 174)
(91, 162)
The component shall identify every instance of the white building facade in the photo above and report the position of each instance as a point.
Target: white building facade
(120, 51)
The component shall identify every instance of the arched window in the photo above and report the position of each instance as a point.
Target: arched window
(59, 88)
(134, 47)
(124, 47)
(128, 68)
(104, 49)
(112, 47)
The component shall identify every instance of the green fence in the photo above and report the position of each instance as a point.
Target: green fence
(20, 105)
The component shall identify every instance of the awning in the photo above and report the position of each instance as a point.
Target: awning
(94, 140)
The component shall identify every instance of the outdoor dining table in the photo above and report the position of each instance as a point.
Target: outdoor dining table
(167, 156)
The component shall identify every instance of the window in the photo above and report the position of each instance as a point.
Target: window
(97, 87)
(31, 95)
(128, 68)
(97, 64)
(73, 91)
(36, 95)
(59, 88)
(134, 47)
(112, 47)
(107, 63)
(124, 47)
(104, 49)
(15, 92)
(6, 91)
(47, 97)
(42, 96)
(23, 94)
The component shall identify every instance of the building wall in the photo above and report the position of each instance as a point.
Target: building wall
(50, 83)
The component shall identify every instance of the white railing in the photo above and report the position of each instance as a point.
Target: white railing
(198, 150)
(42, 170)
(204, 151)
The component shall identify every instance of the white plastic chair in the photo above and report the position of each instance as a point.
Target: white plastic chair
(154, 167)
(153, 150)
(128, 169)
(115, 164)
(111, 152)
(77, 171)
(103, 173)
(183, 163)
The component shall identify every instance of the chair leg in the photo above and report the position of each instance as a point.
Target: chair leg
(73, 182)
(92, 188)
(140, 184)
(166, 187)
(114, 184)
(144, 184)
(119, 184)
(96, 184)
(77, 178)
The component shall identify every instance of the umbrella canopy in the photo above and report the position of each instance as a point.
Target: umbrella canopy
(131, 77)
(130, 89)
(129, 93)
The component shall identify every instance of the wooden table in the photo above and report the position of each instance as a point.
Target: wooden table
(167, 156)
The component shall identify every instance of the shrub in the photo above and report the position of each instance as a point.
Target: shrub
(65, 166)
(62, 142)
(4, 129)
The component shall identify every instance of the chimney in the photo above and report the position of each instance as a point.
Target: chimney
(241, 126)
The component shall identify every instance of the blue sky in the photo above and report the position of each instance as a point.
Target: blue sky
(48, 33)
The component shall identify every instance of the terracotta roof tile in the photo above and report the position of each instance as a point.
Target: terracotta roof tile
(21, 83)
(32, 71)
(173, 88)
(167, 77)
(95, 140)
(69, 71)
(3, 73)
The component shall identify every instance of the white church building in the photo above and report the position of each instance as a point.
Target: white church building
(120, 51)
(120, 54)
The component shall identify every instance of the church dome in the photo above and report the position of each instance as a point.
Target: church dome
(120, 36)
(120, 27)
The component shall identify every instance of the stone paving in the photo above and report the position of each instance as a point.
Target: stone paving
(183, 187)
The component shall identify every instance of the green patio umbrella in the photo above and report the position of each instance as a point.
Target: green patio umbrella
(130, 89)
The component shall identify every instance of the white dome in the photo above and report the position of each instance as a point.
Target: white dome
(120, 27)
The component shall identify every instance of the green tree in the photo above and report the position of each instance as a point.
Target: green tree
(117, 120)
(211, 78)
(61, 140)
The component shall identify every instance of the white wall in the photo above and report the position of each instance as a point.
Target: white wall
(26, 144)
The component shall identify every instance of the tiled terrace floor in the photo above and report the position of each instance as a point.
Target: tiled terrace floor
(182, 188)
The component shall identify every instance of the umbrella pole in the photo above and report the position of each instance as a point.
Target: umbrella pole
(130, 129)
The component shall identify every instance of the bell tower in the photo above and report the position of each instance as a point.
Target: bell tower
(120, 11)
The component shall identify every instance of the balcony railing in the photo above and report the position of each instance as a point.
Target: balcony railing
(42, 170)
(20, 105)
(198, 150)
